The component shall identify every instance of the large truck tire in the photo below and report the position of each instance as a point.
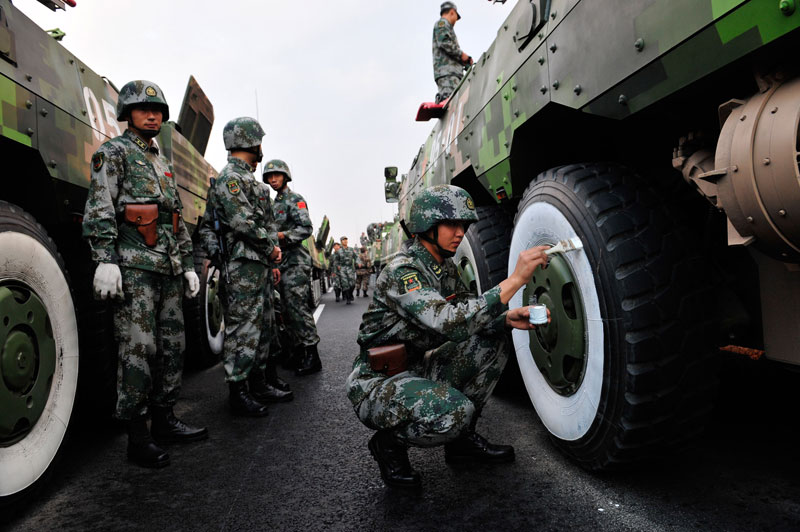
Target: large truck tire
(622, 373)
(204, 318)
(38, 356)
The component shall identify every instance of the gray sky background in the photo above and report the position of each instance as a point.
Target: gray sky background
(338, 82)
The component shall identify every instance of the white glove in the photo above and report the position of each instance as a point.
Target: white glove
(108, 281)
(194, 283)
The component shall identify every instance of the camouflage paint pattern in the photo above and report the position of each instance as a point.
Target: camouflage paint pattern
(126, 171)
(439, 203)
(149, 328)
(424, 305)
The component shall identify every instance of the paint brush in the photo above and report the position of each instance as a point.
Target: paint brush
(571, 244)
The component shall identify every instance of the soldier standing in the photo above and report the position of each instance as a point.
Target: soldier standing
(448, 58)
(244, 211)
(293, 224)
(346, 262)
(363, 267)
(455, 343)
(337, 279)
(364, 240)
(143, 253)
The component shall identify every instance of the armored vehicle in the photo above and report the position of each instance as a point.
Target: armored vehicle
(664, 135)
(319, 260)
(54, 338)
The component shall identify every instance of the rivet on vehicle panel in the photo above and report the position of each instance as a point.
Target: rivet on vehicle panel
(577, 89)
(553, 15)
(749, 219)
(516, 114)
(28, 104)
(83, 111)
(66, 202)
(505, 27)
(782, 212)
(29, 131)
(541, 36)
(774, 110)
(786, 6)
(83, 70)
(71, 61)
(28, 77)
(505, 144)
(553, 47)
(766, 161)
(543, 89)
(743, 118)
(52, 163)
(639, 44)
(43, 112)
(541, 60)
(784, 254)
(556, 84)
(514, 87)
(499, 80)
(506, 96)
(622, 99)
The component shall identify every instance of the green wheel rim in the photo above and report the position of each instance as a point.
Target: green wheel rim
(214, 304)
(559, 349)
(27, 360)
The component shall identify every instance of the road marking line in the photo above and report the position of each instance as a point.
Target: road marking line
(318, 312)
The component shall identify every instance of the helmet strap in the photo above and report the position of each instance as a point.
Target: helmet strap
(445, 253)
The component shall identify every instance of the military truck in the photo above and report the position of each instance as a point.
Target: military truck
(54, 338)
(664, 135)
(320, 268)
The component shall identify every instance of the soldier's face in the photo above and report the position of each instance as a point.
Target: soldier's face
(147, 120)
(344, 242)
(275, 180)
(450, 235)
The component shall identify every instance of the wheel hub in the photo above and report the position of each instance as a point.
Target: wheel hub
(27, 360)
(559, 348)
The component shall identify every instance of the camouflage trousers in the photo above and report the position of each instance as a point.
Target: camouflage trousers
(446, 85)
(269, 344)
(362, 282)
(337, 281)
(347, 280)
(295, 289)
(148, 325)
(435, 401)
(247, 337)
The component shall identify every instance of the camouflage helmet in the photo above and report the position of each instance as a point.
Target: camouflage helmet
(242, 132)
(140, 92)
(441, 203)
(279, 167)
(447, 6)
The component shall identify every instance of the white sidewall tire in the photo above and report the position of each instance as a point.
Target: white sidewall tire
(567, 418)
(215, 342)
(465, 250)
(26, 259)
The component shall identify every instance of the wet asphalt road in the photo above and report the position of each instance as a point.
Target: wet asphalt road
(306, 467)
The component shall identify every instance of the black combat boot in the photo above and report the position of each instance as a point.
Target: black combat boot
(473, 446)
(263, 392)
(337, 291)
(392, 458)
(142, 450)
(310, 363)
(366, 294)
(358, 292)
(167, 428)
(242, 403)
(296, 354)
(271, 374)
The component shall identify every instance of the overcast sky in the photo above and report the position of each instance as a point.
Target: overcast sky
(338, 82)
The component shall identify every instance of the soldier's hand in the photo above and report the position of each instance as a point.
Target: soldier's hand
(528, 261)
(281, 236)
(192, 282)
(466, 59)
(519, 318)
(276, 276)
(276, 254)
(108, 281)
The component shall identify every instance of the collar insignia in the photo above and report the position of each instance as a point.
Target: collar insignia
(139, 142)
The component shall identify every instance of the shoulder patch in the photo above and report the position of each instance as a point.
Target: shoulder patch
(97, 161)
(441, 23)
(411, 282)
(233, 186)
(301, 205)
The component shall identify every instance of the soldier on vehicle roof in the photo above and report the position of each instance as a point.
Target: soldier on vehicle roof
(293, 225)
(448, 345)
(144, 257)
(448, 58)
(244, 209)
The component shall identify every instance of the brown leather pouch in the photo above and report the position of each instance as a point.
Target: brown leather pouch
(144, 217)
(176, 215)
(388, 359)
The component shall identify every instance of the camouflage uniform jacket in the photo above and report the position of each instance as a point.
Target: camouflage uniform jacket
(363, 264)
(245, 214)
(346, 261)
(292, 219)
(125, 171)
(422, 304)
(446, 51)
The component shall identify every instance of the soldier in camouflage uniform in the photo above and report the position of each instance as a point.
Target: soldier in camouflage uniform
(293, 224)
(142, 261)
(244, 210)
(337, 279)
(346, 263)
(363, 268)
(448, 58)
(364, 240)
(456, 343)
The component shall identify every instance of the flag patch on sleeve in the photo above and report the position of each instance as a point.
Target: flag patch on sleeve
(301, 204)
